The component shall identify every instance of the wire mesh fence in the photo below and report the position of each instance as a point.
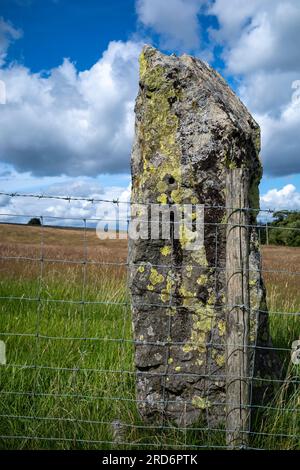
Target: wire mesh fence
(68, 376)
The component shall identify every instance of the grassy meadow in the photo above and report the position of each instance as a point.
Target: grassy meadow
(67, 379)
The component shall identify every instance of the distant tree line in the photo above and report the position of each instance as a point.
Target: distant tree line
(35, 221)
(283, 230)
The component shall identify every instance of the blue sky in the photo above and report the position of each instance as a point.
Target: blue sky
(78, 29)
(70, 74)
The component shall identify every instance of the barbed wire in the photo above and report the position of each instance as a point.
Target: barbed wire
(117, 201)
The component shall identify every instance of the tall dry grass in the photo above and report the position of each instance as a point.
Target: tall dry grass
(70, 369)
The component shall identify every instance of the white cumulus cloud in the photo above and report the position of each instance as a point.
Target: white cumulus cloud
(286, 198)
(88, 209)
(71, 122)
(176, 21)
(281, 140)
(258, 35)
(260, 41)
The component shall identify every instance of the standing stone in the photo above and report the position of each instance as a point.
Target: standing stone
(190, 131)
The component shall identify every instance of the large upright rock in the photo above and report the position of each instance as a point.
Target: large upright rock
(190, 131)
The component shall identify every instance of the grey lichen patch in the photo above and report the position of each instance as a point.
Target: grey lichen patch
(199, 257)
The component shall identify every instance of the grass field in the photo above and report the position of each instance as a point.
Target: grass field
(66, 381)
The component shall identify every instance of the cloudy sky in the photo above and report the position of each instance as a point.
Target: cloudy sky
(70, 73)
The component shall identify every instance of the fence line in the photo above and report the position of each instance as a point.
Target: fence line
(35, 306)
(117, 201)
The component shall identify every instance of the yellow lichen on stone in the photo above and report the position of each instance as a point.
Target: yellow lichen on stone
(141, 269)
(180, 194)
(143, 65)
(189, 270)
(224, 219)
(155, 277)
(200, 402)
(176, 196)
(232, 166)
(203, 324)
(153, 78)
(162, 186)
(220, 360)
(204, 310)
(202, 280)
(185, 293)
(178, 368)
(199, 256)
(171, 311)
(166, 292)
(189, 298)
(170, 360)
(164, 296)
(211, 300)
(198, 341)
(163, 198)
(159, 130)
(149, 287)
(166, 250)
(187, 348)
(199, 362)
(186, 236)
(221, 327)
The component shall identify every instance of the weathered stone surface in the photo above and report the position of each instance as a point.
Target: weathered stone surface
(190, 130)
